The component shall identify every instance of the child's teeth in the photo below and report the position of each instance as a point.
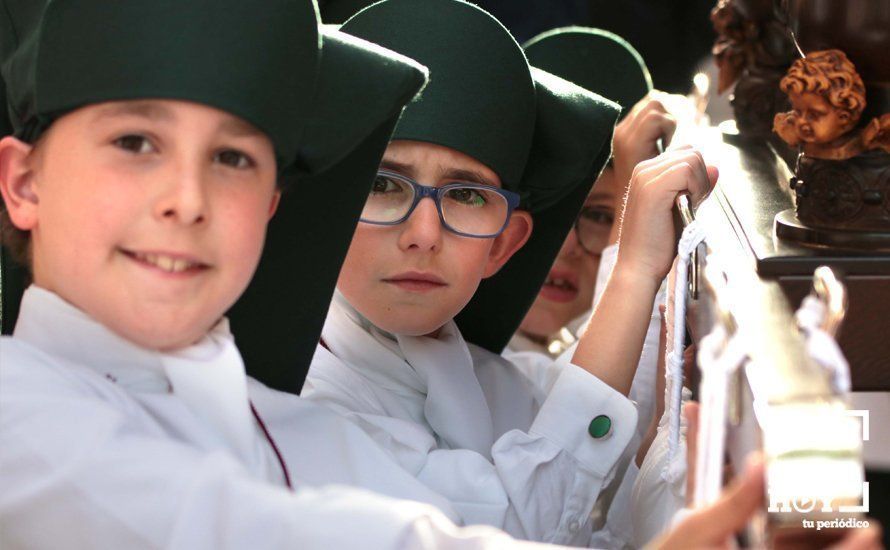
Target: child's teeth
(167, 263)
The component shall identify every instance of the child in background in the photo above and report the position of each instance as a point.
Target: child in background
(606, 64)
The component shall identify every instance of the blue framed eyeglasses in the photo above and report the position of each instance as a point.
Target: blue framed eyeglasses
(467, 209)
(592, 227)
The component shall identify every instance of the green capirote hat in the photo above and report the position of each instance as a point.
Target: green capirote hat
(546, 138)
(595, 59)
(5, 124)
(481, 97)
(277, 322)
(324, 98)
(11, 274)
(73, 53)
(336, 12)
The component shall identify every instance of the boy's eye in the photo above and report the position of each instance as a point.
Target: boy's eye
(234, 159)
(383, 184)
(598, 215)
(467, 196)
(134, 143)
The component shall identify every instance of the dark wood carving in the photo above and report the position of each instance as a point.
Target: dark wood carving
(840, 121)
(852, 194)
(753, 50)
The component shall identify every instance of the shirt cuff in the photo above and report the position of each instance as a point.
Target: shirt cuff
(577, 398)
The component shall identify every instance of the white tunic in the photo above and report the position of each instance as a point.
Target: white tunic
(504, 449)
(618, 531)
(107, 445)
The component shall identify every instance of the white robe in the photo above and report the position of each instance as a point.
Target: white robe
(104, 444)
(618, 531)
(504, 449)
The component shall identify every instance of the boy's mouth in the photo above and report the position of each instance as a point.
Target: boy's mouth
(560, 287)
(415, 281)
(167, 262)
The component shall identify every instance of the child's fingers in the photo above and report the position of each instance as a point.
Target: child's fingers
(648, 170)
(861, 539)
(690, 413)
(687, 173)
(713, 174)
(657, 124)
(712, 525)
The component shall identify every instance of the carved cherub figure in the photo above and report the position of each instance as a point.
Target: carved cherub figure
(729, 48)
(876, 135)
(827, 97)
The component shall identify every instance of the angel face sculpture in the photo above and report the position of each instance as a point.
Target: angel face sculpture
(827, 97)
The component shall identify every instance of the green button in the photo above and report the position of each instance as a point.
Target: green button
(600, 427)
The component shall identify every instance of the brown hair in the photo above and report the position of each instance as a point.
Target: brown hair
(14, 240)
(830, 74)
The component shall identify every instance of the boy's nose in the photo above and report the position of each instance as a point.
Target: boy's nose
(184, 200)
(422, 230)
(571, 246)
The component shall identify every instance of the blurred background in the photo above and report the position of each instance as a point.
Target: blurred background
(673, 36)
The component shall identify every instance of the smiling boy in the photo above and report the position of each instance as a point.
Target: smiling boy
(140, 204)
(431, 290)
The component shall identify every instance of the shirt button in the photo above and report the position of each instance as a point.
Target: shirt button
(574, 525)
(600, 427)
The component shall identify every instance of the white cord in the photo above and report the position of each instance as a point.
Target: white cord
(821, 346)
(692, 236)
(719, 356)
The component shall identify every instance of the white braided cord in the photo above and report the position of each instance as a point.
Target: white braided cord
(692, 236)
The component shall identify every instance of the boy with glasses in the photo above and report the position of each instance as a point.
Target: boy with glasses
(432, 290)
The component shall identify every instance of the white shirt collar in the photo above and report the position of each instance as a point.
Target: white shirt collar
(436, 374)
(57, 328)
(208, 376)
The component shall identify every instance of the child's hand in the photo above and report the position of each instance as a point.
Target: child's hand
(690, 413)
(647, 238)
(636, 137)
(712, 526)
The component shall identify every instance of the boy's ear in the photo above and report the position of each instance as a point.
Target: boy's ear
(273, 206)
(514, 236)
(17, 182)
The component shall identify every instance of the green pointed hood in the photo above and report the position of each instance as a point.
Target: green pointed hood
(278, 321)
(546, 138)
(595, 59)
(336, 12)
(5, 124)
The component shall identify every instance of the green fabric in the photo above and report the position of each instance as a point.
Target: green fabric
(481, 97)
(360, 85)
(545, 137)
(572, 145)
(595, 59)
(278, 320)
(233, 55)
(5, 124)
(329, 102)
(336, 12)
